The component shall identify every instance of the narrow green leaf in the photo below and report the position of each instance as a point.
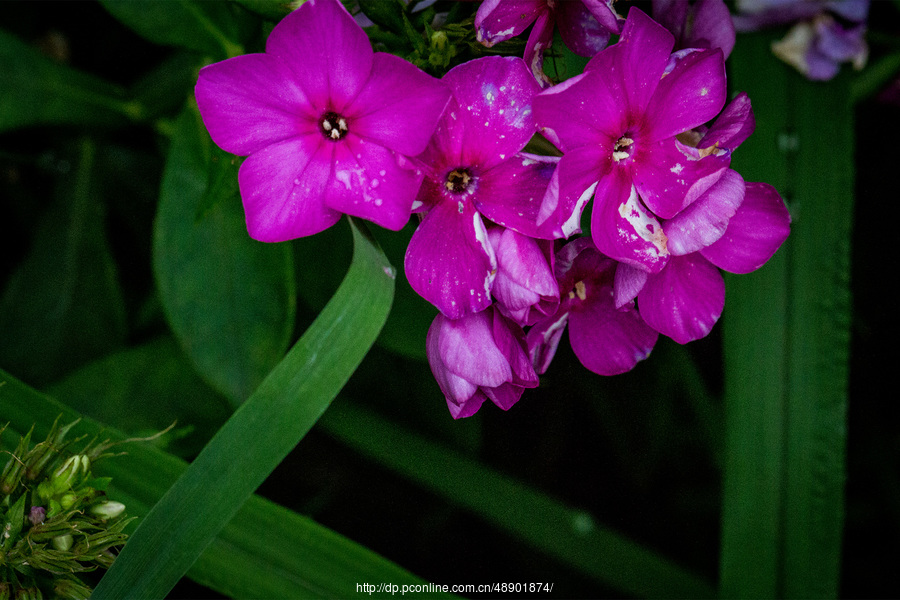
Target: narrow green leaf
(63, 306)
(36, 91)
(266, 551)
(786, 340)
(229, 299)
(259, 434)
(546, 524)
(214, 28)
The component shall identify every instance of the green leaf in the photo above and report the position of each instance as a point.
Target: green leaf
(544, 523)
(218, 29)
(259, 434)
(229, 299)
(385, 13)
(36, 91)
(786, 340)
(266, 551)
(63, 306)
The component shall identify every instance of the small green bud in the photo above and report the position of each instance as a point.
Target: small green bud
(71, 473)
(67, 501)
(107, 510)
(63, 543)
(71, 589)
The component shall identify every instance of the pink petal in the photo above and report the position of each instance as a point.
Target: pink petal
(712, 26)
(685, 300)
(372, 182)
(499, 20)
(468, 350)
(668, 178)
(510, 340)
(582, 111)
(382, 115)
(603, 11)
(249, 102)
(573, 184)
(449, 261)
(704, 221)
(754, 233)
(524, 276)
(539, 40)
(283, 189)
(692, 94)
(628, 282)
(606, 340)
(506, 395)
(632, 67)
(514, 194)
(623, 229)
(328, 52)
(494, 115)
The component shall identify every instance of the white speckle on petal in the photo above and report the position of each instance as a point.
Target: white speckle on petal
(678, 168)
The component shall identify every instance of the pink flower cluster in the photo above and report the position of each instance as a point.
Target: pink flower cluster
(330, 127)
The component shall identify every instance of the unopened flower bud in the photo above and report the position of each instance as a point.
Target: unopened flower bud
(37, 515)
(70, 473)
(63, 543)
(107, 510)
(71, 589)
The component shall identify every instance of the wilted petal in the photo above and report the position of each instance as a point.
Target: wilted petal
(581, 32)
(543, 339)
(685, 300)
(283, 189)
(669, 178)
(328, 52)
(539, 40)
(704, 221)
(692, 94)
(609, 341)
(382, 115)
(249, 102)
(499, 20)
(449, 261)
(733, 126)
(623, 229)
(372, 182)
(754, 233)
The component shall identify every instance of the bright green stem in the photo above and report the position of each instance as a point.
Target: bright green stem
(786, 342)
(259, 434)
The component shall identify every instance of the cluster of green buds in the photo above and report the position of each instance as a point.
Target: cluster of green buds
(56, 519)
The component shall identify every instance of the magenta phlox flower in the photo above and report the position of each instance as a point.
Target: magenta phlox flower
(606, 339)
(474, 169)
(825, 34)
(700, 24)
(524, 288)
(322, 124)
(733, 226)
(479, 357)
(585, 26)
(618, 125)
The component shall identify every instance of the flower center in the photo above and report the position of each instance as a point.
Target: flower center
(333, 126)
(622, 149)
(459, 181)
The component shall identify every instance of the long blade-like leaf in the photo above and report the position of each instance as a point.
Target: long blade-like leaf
(786, 334)
(259, 434)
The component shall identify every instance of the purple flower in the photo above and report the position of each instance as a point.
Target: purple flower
(322, 123)
(700, 24)
(474, 169)
(608, 340)
(733, 226)
(826, 33)
(585, 26)
(617, 125)
(479, 357)
(524, 288)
